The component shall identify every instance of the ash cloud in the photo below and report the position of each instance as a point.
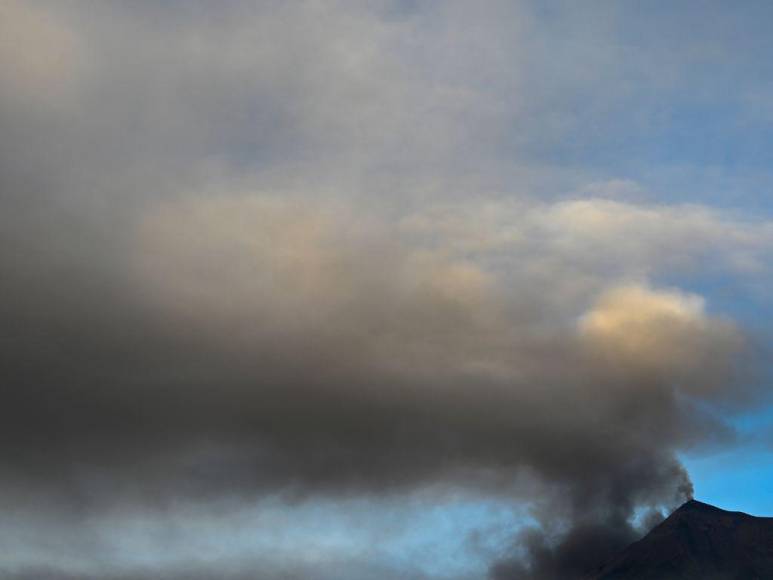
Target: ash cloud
(261, 346)
(217, 284)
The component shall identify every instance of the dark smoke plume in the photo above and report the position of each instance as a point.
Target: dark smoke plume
(210, 290)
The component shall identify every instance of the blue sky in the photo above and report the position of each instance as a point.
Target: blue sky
(378, 289)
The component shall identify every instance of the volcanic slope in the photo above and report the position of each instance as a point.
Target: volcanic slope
(701, 542)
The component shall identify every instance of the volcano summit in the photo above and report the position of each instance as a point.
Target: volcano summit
(701, 542)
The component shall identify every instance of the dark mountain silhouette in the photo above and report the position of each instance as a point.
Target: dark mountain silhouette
(698, 542)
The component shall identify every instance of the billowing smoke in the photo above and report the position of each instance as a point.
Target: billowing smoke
(259, 345)
(244, 261)
(368, 363)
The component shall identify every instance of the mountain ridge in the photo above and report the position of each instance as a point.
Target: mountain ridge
(698, 541)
